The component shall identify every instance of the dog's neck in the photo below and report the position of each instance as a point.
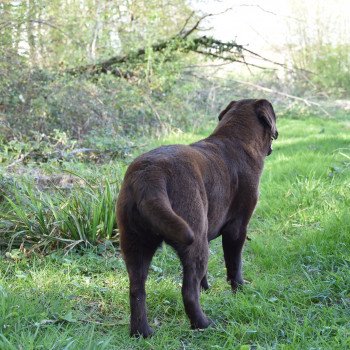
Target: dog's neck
(236, 137)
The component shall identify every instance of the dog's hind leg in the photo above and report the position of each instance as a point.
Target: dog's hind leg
(233, 238)
(138, 257)
(194, 259)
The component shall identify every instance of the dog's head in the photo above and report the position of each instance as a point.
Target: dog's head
(254, 117)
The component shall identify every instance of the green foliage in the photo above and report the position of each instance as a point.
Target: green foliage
(331, 65)
(327, 69)
(38, 148)
(109, 107)
(318, 46)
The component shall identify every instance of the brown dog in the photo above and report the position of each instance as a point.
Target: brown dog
(189, 195)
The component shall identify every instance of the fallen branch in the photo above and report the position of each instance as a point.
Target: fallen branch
(17, 161)
(263, 88)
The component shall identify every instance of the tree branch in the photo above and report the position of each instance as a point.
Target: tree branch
(184, 35)
(186, 22)
(183, 41)
(196, 25)
(303, 100)
(203, 45)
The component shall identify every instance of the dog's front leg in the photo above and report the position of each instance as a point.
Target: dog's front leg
(233, 237)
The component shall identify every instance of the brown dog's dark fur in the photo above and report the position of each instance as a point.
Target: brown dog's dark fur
(189, 195)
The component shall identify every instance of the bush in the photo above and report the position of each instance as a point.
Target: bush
(325, 70)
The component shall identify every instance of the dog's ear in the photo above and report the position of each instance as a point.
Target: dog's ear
(226, 109)
(266, 115)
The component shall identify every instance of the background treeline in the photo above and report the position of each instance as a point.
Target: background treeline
(46, 50)
(52, 73)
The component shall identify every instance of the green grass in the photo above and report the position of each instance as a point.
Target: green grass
(297, 262)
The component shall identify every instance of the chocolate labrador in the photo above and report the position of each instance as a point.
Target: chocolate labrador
(189, 195)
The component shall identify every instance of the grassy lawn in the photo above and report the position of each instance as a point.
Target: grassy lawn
(297, 263)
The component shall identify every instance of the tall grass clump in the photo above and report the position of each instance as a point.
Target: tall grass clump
(36, 219)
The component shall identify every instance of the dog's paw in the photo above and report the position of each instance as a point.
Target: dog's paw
(237, 284)
(144, 332)
(201, 324)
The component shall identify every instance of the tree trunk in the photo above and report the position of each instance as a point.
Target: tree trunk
(31, 16)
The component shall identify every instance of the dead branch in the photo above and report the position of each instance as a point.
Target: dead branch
(303, 100)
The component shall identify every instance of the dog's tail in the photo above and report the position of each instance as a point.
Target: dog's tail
(159, 212)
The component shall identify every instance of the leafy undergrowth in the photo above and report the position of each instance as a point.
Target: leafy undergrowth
(37, 220)
(297, 264)
(49, 199)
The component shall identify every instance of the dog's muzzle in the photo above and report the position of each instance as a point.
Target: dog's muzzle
(270, 151)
